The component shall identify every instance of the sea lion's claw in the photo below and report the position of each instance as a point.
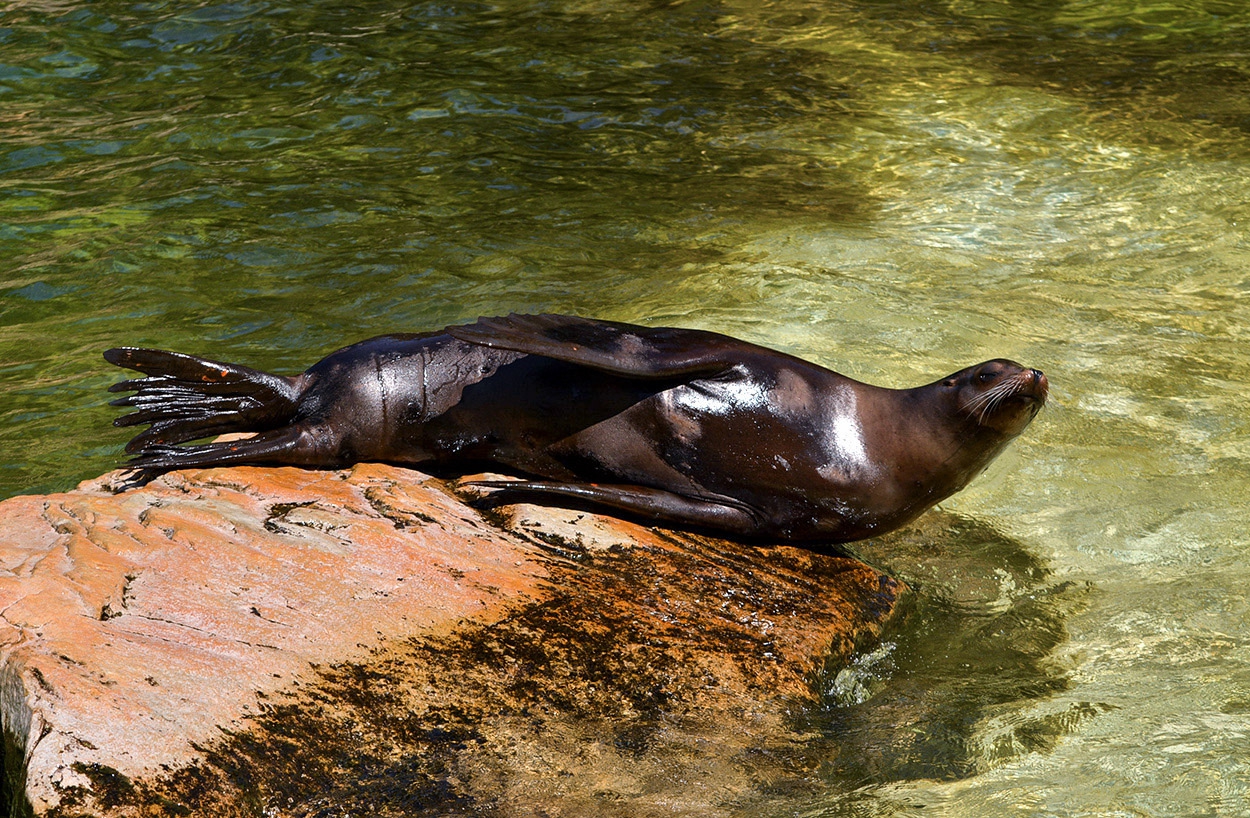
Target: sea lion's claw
(476, 497)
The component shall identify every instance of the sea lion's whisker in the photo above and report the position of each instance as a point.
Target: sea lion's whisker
(983, 404)
(982, 399)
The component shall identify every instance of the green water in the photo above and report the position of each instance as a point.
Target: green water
(894, 189)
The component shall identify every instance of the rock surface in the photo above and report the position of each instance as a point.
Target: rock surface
(285, 642)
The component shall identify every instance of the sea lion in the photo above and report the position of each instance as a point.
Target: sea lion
(680, 426)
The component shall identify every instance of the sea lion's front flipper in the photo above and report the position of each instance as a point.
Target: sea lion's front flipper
(621, 349)
(723, 513)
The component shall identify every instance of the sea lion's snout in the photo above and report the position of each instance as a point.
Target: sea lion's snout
(1040, 385)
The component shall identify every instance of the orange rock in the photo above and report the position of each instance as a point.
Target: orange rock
(152, 643)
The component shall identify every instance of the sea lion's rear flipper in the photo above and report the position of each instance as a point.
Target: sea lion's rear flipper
(289, 445)
(722, 513)
(621, 349)
(184, 397)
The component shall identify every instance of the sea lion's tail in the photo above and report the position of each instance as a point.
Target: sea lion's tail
(186, 398)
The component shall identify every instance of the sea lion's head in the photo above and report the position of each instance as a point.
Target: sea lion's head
(1000, 395)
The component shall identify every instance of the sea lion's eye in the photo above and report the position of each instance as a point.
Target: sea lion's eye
(985, 377)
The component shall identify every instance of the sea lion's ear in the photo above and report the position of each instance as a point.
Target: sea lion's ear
(620, 349)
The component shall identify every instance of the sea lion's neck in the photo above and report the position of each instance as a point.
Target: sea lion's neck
(951, 445)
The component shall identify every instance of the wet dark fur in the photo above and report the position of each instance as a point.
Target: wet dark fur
(681, 426)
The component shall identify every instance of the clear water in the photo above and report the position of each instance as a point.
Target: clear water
(895, 189)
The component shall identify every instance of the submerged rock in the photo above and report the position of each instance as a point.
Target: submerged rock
(285, 642)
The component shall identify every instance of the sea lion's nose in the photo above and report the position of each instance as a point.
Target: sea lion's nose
(1040, 382)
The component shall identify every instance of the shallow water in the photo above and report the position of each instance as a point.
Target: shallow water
(894, 189)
